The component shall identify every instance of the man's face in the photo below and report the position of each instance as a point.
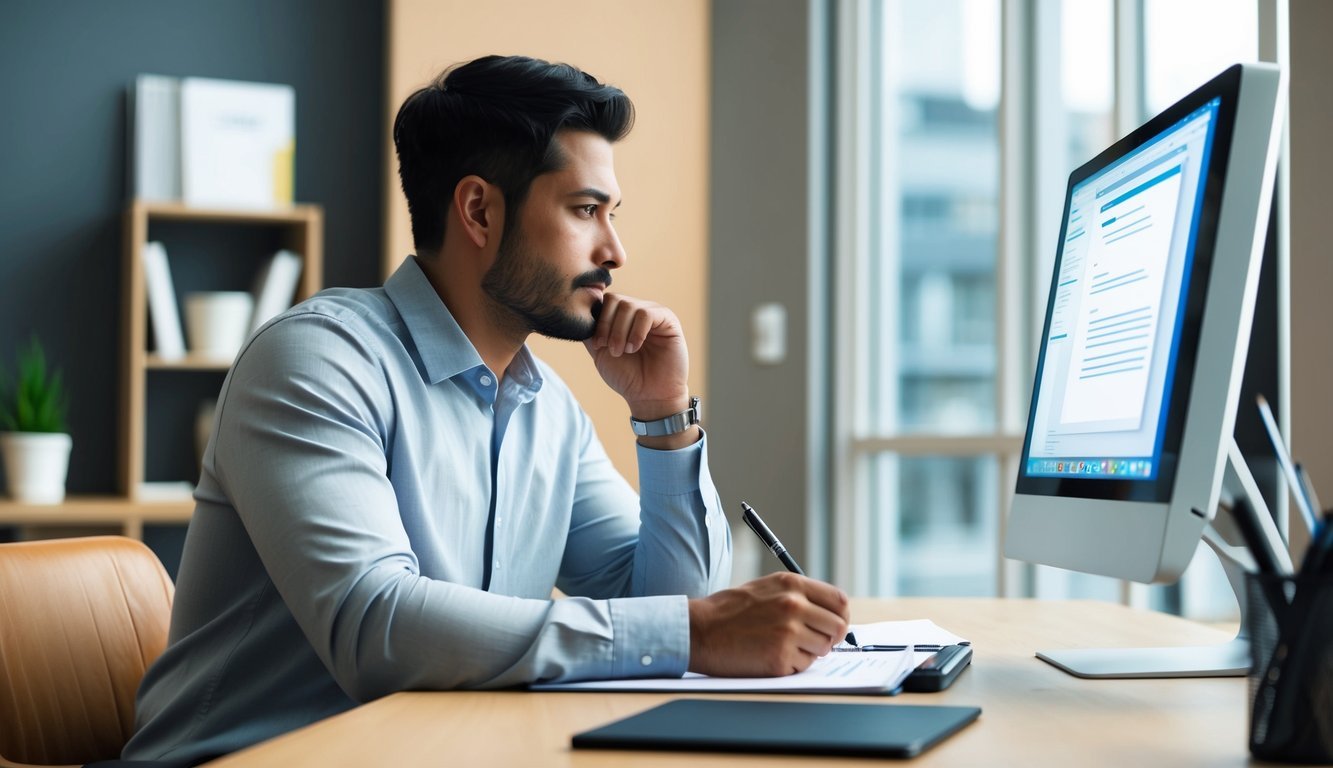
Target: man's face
(553, 268)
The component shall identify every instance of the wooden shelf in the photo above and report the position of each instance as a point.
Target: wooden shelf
(188, 363)
(126, 514)
(294, 214)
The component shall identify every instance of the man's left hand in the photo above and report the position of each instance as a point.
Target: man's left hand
(639, 350)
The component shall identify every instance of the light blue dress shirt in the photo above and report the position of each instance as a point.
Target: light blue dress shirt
(377, 513)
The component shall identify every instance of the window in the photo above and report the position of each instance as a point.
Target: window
(934, 384)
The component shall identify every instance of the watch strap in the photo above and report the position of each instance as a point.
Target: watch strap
(670, 425)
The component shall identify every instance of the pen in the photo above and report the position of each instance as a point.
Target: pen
(1298, 492)
(765, 535)
(1310, 494)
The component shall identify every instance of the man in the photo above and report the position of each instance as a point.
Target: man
(395, 484)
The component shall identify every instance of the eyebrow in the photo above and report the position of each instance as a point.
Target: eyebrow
(595, 194)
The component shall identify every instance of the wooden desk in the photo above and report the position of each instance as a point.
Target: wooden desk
(1032, 714)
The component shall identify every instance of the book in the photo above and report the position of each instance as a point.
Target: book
(168, 339)
(275, 287)
(164, 490)
(238, 143)
(154, 138)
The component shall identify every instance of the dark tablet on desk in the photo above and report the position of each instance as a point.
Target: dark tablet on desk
(783, 727)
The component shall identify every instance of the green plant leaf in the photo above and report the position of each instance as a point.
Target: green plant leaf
(37, 400)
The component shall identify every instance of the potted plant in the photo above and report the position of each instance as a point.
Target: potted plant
(35, 440)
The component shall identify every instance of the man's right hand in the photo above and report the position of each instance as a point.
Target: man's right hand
(775, 625)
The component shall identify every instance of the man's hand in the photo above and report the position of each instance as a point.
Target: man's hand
(776, 625)
(639, 350)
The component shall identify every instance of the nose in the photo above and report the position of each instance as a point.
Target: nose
(611, 253)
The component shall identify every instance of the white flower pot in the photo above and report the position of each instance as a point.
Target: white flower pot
(36, 465)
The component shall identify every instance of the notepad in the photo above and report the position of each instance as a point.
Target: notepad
(873, 673)
(834, 673)
(783, 727)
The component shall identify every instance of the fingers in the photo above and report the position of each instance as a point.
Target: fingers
(625, 324)
(775, 625)
(828, 597)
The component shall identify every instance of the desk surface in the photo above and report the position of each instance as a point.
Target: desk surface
(1032, 714)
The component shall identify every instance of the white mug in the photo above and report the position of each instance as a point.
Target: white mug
(218, 322)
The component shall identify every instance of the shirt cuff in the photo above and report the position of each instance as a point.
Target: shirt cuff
(672, 473)
(651, 636)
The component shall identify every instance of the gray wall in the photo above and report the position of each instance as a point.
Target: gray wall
(64, 68)
(1311, 121)
(759, 416)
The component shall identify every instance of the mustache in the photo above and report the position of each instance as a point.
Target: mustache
(593, 277)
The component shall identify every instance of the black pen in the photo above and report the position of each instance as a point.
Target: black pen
(765, 535)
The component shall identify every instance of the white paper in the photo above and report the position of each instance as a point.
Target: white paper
(835, 673)
(914, 632)
(838, 672)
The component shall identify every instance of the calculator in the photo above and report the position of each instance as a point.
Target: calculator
(940, 670)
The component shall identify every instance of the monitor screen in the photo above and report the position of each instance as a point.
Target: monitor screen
(1117, 316)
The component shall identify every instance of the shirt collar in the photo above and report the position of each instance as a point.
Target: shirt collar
(444, 349)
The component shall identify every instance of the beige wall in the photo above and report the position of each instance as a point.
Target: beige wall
(657, 51)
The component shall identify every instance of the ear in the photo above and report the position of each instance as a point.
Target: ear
(480, 208)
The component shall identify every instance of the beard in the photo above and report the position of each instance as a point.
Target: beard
(537, 295)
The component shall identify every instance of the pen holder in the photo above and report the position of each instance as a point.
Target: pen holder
(1290, 623)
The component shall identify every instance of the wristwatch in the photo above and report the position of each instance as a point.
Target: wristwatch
(670, 425)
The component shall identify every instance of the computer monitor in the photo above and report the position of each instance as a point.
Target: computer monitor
(1143, 350)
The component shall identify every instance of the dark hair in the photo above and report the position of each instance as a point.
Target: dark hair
(495, 117)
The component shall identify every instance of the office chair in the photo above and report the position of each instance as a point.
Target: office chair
(80, 621)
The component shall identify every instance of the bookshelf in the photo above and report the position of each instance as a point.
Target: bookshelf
(299, 228)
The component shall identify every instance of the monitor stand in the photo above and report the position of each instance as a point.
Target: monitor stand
(1229, 659)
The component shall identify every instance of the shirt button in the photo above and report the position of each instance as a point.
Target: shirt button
(485, 380)
(646, 660)
(496, 565)
(498, 520)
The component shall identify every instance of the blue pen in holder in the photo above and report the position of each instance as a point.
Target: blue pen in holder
(1291, 672)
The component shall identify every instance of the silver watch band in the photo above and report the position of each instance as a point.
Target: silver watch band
(670, 425)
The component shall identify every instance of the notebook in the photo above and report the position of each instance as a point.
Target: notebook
(782, 727)
(874, 673)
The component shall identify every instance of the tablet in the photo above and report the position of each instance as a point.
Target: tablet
(783, 727)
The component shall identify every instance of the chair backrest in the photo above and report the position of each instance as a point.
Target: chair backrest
(80, 621)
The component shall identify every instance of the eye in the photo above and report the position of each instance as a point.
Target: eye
(589, 210)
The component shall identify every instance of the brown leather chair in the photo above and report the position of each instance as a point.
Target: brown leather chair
(80, 621)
